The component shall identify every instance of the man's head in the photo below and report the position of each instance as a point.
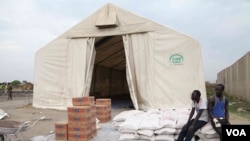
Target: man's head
(196, 95)
(219, 88)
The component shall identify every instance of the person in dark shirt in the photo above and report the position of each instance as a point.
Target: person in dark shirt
(9, 91)
(218, 109)
(1, 89)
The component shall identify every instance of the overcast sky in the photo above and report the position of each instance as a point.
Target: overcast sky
(222, 27)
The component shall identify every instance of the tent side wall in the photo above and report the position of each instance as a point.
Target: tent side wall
(179, 69)
(50, 75)
(63, 70)
(164, 68)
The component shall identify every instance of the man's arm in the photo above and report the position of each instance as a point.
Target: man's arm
(210, 106)
(191, 114)
(226, 110)
(198, 116)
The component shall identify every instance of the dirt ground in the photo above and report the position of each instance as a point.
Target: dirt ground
(20, 109)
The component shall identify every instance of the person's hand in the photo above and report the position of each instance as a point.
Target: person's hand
(215, 120)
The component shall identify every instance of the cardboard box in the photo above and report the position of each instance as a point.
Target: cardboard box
(80, 130)
(83, 130)
(61, 136)
(93, 108)
(93, 119)
(103, 113)
(79, 110)
(61, 127)
(73, 120)
(94, 129)
(103, 117)
(79, 137)
(83, 101)
(103, 107)
(103, 101)
(86, 115)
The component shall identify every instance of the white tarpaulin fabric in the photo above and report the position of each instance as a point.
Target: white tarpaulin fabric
(82, 56)
(74, 69)
(150, 82)
(163, 66)
(140, 68)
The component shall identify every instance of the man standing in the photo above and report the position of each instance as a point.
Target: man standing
(193, 124)
(218, 109)
(5, 88)
(1, 88)
(9, 91)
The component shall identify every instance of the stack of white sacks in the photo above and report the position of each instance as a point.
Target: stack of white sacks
(157, 125)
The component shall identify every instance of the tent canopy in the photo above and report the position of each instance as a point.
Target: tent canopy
(162, 67)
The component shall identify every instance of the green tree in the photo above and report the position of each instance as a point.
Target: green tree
(15, 83)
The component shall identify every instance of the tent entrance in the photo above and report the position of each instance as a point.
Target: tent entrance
(109, 74)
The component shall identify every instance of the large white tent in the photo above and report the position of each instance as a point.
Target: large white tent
(162, 67)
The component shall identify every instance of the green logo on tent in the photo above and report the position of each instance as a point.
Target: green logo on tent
(176, 59)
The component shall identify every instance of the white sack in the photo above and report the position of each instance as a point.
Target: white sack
(126, 114)
(165, 131)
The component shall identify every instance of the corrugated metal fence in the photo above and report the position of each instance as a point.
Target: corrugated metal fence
(236, 78)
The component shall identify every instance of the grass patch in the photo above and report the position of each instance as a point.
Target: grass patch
(236, 106)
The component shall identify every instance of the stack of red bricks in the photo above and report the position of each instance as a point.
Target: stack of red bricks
(103, 110)
(81, 124)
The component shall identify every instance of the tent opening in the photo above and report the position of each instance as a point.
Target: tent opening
(109, 74)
